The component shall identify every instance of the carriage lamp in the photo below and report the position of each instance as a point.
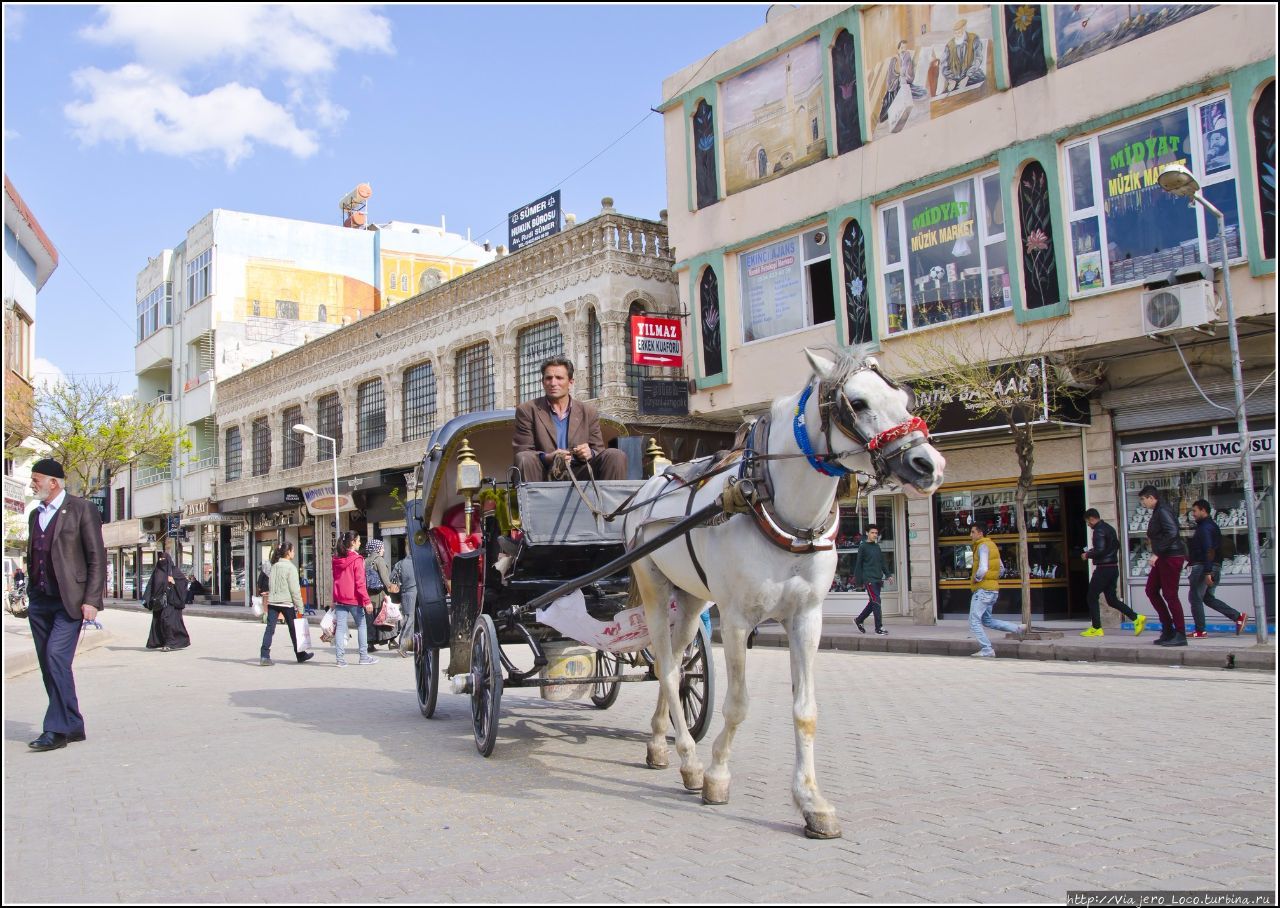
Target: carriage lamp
(655, 454)
(469, 478)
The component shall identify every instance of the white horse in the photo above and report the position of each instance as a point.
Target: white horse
(777, 562)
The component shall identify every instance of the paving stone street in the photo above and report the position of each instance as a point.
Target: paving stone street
(207, 778)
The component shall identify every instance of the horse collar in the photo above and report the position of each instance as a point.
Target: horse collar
(806, 447)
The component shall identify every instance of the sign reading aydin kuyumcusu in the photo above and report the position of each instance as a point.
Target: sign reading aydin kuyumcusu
(1021, 383)
(656, 341)
(533, 222)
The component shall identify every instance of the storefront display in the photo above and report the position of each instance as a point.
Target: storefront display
(853, 527)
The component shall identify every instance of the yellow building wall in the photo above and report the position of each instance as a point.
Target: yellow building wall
(269, 283)
(414, 266)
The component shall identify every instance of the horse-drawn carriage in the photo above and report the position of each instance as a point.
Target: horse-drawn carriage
(517, 542)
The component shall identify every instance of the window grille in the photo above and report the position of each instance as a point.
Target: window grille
(634, 373)
(292, 446)
(233, 454)
(261, 447)
(475, 379)
(371, 409)
(595, 346)
(419, 401)
(328, 422)
(537, 343)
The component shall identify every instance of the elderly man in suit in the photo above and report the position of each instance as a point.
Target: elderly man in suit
(68, 564)
(555, 433)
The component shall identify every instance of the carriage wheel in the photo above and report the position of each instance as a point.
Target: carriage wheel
(605, 693)
(697, 684)
(426, 668)
(486, 684)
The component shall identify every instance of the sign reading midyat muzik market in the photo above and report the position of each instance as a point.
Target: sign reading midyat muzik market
(535, 221)
(656, 341)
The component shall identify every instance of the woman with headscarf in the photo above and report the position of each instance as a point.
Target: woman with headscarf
(377, 578)
(166, 598)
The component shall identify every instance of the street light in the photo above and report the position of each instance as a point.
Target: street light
(1178, 180)
(303, 429)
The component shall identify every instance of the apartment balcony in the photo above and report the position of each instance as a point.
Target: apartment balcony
(163, 408)
(155, 351)
(152, 492)
(198, 398)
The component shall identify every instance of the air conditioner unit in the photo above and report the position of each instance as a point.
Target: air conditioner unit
(153, 525)
(1179, 306)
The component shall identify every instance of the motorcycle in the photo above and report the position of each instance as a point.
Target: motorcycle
(18, 600)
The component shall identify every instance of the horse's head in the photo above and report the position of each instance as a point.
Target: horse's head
(872, 417)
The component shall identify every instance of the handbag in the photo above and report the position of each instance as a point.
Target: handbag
(302, 630)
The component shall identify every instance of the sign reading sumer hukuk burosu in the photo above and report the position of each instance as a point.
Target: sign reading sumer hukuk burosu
(533, 222)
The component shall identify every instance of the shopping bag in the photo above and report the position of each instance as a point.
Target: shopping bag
(302, 630)
(328, 624)
(256, 603)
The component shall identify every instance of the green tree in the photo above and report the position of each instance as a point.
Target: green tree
(94, 432)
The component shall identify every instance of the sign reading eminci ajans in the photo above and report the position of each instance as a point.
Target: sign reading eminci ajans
(534, 221)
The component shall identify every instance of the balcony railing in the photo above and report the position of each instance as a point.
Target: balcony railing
(149, 476)
(205, 459)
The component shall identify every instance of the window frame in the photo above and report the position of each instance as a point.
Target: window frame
(480, 354)
(329, 422)
(528, 371)
(1190, 109)
(260, 439)
(371, 415)
(807, 297)
(419, 401)
(293, 450)
(234, 454)
(200, 277)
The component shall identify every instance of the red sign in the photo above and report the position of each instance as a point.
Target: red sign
(656, 341)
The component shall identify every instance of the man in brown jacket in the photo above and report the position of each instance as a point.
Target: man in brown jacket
(68, 564)
(555, 433)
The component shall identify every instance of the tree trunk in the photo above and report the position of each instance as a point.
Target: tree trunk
(1024, 446)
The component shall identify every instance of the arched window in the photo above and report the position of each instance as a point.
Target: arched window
(1024, 36)
(595, 350)
(371, 414)
(709, 319)
(1264, 146)
(634, 373)
(322, 313)
(475, 379)
(853, 249)
(419, 401)
(1039, 255)
(704, 155)
(762, 163)
(535, 345)
(844, 71)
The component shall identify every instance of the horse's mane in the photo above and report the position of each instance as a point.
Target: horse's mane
(847, 361)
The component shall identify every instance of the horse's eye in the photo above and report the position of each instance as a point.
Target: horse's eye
(858, 405)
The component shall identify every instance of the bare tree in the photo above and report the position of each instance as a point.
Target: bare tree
(1017, 378)
(94, 432)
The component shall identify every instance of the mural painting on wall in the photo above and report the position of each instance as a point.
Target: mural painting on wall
(773, 118)
(704, 155)
(709, 304)
(924, 62)
(1039, 259)
(1264, 147)
(1082, 30)
(1024, 37)
(844, 72)
(857, 308)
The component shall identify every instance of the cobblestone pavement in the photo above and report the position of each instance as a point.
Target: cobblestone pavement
(207, 778)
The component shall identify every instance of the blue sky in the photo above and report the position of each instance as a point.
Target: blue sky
(125, 125)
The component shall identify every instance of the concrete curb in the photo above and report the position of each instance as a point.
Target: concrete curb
(20, 663)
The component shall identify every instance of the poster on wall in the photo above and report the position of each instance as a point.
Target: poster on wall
(772, 294)
(1082, 30)
(774, 118)
(925, 61)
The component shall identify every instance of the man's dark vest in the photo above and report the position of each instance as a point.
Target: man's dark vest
(45, 580)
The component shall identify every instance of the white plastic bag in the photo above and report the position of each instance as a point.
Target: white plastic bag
(329, 623)
(627, 632)
(256, 603)
(302, 630)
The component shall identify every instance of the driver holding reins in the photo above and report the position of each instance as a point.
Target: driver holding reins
(555, 433)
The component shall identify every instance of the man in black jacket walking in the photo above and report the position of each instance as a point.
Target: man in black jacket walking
(1168, 555)
(1104, 552)
(1206, 570)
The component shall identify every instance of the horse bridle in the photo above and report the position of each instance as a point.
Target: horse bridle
(835, 409)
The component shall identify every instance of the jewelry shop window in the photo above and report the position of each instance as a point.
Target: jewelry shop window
(855, 517)
(1124, 227)
(786, 286)
(945, 255)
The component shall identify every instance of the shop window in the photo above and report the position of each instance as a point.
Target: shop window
(709, 316)
(419, 401)
(635, 373)
(371, 413)
(786, 286)
(475, 379)
(704, 155)
(233, 454)
(292, 446)
(1125, 229)
(261, 447)
(844, 71)
(944, 254)
(1039, 261)
(854, 521)
(1264, 150)
(1024, 39)
(536, 344)
(328, 422)
(595, 350)
(853, 250)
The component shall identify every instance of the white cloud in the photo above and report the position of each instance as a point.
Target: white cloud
(162, 102)
(45, 371)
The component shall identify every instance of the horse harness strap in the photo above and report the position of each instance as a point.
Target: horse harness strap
(796, 540)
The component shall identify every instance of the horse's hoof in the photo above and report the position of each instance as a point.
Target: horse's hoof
(657, 759)
(821, 826)
(692, 779)
(715, 792)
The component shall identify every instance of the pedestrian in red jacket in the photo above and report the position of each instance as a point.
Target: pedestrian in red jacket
(351, 598)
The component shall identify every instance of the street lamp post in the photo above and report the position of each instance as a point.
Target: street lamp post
(1178, 180)
(303, 429)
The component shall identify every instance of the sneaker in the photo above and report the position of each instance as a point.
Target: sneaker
(1240, 620)
(1138, 624)
(882, 632)
(265, 662)
(303, 657)
(1091, 632)
(1199, 635)
(1023, 631)
(342, 663)
(368, 660)
(861, 629)
(985, 654)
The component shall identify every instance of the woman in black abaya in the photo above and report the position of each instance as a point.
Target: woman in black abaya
(166, 598)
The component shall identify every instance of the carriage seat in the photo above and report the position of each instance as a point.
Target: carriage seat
(553, 513)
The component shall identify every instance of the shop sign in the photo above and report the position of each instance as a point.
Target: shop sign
(664, 397)
(535, 221)
(201, 508)
(1223, 447)
(955, 411)
(772, 290)
(173, 523)
(320, 500)
(656, 341)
